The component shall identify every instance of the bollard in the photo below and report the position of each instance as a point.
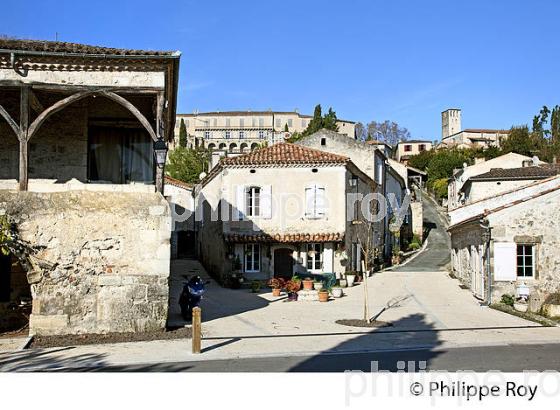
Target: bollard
(196, 329)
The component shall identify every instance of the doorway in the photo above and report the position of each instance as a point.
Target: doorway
(283, 263)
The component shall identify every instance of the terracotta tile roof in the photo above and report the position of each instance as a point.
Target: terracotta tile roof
(284, 238)
(485, 131)
(487, 212)
(178, 183)
(532, 172)
(74, 48)
(286, 154)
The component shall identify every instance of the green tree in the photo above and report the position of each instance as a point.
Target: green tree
(186, 164)
(286, 129)
(521, 141)
(182, 134)
(318, 122)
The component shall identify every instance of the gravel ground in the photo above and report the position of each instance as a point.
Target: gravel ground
(78, 340)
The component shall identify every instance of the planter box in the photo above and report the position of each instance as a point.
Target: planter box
(550, 310)
(521, 307)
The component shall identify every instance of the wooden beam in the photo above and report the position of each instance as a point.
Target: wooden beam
(10, 120)
(23, 129)
(35, 103)
(59, 105)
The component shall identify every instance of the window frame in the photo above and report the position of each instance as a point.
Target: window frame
(261, 135)
(315, 260)
(407, 148)
(227, 135)
(249, 258)
(253, 194)
(524, 266)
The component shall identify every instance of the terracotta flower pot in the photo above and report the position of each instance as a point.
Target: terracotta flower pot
(307, 284)
(323, 296)
(276, 292)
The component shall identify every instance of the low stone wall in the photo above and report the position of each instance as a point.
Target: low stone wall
(108, 255)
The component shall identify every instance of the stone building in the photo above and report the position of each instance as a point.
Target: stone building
(181, 200)
(283, 210)
(370, 159)
(406, 149)
(456, 195)
(84, 132)
(510, 239)
(243, 131)
(452, 134)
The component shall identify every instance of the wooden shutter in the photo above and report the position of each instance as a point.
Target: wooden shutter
(505, 261)
(320, 201)
(310, 201)
(239, 207)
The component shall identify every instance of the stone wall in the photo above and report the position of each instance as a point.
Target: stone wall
(107, 255)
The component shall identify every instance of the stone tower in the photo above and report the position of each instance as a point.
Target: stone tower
(450, 122)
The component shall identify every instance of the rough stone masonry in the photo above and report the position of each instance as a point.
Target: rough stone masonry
(106, 255)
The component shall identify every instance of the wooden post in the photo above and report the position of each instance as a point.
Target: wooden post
(23, 127)
(196, 330)
(160, 133)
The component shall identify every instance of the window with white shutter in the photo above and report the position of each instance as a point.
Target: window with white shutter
(505, 254)
(315, 201)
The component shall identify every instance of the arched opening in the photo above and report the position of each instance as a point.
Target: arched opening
(244, 147)
(222, 146)
(93, 139)
(211, 146)
(254, 146)
(232, 147)
(9, 153)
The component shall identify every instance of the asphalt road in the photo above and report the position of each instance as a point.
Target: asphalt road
(507, 358)
(436, 254)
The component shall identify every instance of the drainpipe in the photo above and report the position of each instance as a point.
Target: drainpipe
(487, 238)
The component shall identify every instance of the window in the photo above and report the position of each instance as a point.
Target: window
(408, 148)
(261, 122)
(120, 155)
(228, 135)
(252, 257)
(422, 147)
(323, 141)
(207, 135)
(315, 201)
(261, 135)
(241, 134)
(241, 122)
(290, 123)
(303, 124)
(187, 123)
(356, 257)
(228, 122)
(278, 122)
(214, 122)
(314, 256)
(525, 261)
(253, 201)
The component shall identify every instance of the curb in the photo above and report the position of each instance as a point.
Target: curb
(420, 251)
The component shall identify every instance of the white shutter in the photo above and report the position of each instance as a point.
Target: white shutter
(505, 261)
(310, 201)
(239, 207)
(320, 201)
(266, 201)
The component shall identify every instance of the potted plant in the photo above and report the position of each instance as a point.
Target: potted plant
(256, 286)
(276, 284)
(292, 287)
(323, 295)
(521, 305)
(336, 292)
(317, 285)
(307, 284)
(350, 277)
(342, 282)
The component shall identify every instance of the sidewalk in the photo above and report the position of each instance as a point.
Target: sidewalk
(433, 312)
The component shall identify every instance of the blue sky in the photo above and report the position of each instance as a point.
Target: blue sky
(407, 61)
